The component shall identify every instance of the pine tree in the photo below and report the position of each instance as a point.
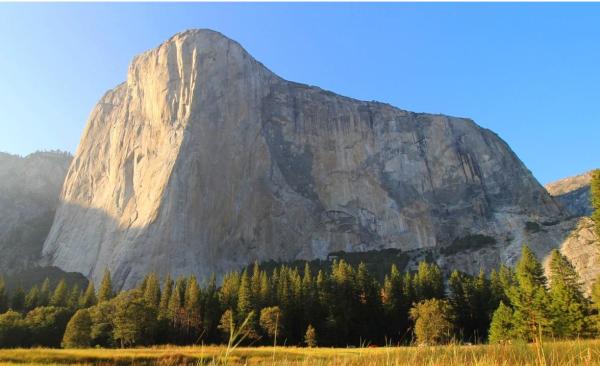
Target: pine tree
(152, 290)
(395, 304)
(568, 303)
(3, 296)
(255, 286)
(428, 282)
(595, 198)
(245, 303)
(165, 296)
(44, 298)
(18, 299)
(193, 320)
(79, 328)
(73, 298)
(88, 299)
(595, 297)
(212, 307)
(60, 295)
(369, 307)
(106, 290)
(228, 292)
(529, 298)
(310, 337)
(502, 326)
(32, 299)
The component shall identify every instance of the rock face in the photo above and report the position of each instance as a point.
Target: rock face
(29, 192)
(582, 247)
(204, 160)
(573, 193)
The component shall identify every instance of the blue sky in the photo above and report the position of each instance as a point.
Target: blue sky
(529, 72)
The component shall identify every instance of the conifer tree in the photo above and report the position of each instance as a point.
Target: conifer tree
(177, 301)
(369, 307)
(106, 292)
(595, 198)
(88, 298)
(44, 297)
(310, 337)
(192, 306)
(228, 292)
(245, 298)
(309, 296)
(73, 298)
(428, 282)
(152, 290)
(32, 299)
(18, 299)
(3, 296)
(60, 295)
(264, 294)
(568, 303)
(78, 331)
(255, 286)
(212, 307)
(165, 297)
(502, 327)
(395, 303)
(595, 297)
(529, 298)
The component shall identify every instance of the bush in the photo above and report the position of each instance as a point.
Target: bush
(13, 331)
(47, 325)
(433, 321)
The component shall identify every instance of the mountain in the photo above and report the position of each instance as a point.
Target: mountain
(204, 161)
(29, 192)
(573, 193)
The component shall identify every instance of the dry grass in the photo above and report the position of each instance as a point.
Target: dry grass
(585, 352)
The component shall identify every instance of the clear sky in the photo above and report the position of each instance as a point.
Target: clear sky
(529, 72)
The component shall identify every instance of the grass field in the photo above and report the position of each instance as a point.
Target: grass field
(557, 353)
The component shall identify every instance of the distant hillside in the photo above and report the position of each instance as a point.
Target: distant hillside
(573, 193)
(30, 277)
(29, 194)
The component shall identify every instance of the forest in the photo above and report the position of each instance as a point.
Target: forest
(342, 306)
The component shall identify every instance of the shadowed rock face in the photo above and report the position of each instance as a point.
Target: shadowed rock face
(573, 193)
(29, 192)
(204, 160)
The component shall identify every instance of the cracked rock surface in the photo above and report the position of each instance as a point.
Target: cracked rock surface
(204, 161)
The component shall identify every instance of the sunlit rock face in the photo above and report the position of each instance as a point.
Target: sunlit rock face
(204, 161)
(29, 195)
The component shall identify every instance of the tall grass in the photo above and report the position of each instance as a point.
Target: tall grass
(579, 352)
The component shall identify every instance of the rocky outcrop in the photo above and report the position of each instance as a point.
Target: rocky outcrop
(204, 161)
(29, 192)
(573, 193)
(582, 247)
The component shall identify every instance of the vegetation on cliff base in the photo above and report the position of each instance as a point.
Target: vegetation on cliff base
(342, 306)
(595, 197)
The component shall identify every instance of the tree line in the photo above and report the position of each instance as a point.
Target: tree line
(342, 306)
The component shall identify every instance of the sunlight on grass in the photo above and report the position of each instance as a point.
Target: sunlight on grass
(585, 352)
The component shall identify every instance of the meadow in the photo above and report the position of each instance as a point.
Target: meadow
(577, 352)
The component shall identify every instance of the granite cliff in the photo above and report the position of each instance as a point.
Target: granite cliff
(204, 160)
(573, 193)
(29, 195)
